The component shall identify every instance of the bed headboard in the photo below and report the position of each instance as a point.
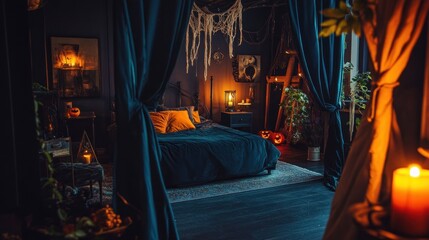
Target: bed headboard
(184, 97)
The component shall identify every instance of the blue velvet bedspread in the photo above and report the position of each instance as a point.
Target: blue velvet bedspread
(212, 152)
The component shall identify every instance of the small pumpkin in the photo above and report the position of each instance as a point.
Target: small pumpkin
(277, 138)
(265, 134)
(74, 112)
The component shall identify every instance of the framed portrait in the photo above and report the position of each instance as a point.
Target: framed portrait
(75, 66)
(248, 68)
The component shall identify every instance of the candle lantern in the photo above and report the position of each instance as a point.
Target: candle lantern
(86, 152)
(410, 201)
(86, 157)
(230, 98)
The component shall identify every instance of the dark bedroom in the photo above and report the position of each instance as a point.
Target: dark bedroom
(214, 119)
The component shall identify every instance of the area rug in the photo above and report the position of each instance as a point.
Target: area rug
(284, 174)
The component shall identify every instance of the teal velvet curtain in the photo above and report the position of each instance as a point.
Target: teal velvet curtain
(322, 60)
(148, 36)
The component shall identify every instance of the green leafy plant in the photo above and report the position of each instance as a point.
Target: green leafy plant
(295, 109)
(360, 93)
(347, 68)
(346, 18)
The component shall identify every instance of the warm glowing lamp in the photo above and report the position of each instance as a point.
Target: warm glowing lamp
(410, 201)
(230, 97)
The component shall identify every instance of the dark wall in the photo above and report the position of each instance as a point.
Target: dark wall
(81, 18)
(19, 175)
(87, 19)
(255, 20)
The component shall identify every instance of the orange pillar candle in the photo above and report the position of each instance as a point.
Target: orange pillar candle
(87, 157)
(410, 201)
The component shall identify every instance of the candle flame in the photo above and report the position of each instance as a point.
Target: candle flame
(230, 96)
(414, 170)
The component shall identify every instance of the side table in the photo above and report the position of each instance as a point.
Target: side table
(239, 120)
(76, 125)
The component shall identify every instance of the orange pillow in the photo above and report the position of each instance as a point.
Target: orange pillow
(196, 116)
(179, 121)
(160, 121)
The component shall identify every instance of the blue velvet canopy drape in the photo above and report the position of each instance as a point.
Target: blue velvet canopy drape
(322, 60)
(148, 36)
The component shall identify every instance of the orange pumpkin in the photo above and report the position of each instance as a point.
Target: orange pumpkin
(277, 138)
(265, 134)
(74, 112)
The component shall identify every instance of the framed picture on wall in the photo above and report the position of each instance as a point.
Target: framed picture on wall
(248, 68)
(75, 66)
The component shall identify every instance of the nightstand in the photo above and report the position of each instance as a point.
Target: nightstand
(76, 125)
(238, 120)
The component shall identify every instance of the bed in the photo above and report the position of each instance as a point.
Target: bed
(197, 150)
(213, 152)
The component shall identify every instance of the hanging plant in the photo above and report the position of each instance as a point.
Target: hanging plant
(295, 109)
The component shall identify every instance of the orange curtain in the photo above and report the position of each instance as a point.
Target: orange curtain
(391, 35)
(424, 125)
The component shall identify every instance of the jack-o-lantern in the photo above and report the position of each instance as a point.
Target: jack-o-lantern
(277, 138)
(74, 112)
(265, 134)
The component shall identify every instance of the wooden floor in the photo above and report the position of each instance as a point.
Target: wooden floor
(297, 211)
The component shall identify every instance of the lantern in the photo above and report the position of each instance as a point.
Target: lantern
(230, 97)
(277, 138)
(265, 134)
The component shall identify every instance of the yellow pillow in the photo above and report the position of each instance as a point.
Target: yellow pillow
(179, 121)
(160, 121)
(196, 116)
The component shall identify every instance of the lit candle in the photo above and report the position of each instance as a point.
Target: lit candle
(230, 103)
(87, 157)
(410, 201)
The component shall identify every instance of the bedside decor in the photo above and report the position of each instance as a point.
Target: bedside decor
(230, 98)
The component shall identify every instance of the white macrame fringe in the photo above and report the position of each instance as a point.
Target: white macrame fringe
(210, 23)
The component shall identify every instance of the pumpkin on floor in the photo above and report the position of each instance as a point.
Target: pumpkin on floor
(265, 134)
(277, 138)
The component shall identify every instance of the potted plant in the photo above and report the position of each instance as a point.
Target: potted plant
(357, 94)
(313, 137)
(295, 109)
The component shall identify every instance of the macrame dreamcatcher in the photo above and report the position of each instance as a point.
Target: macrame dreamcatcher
(204, 21)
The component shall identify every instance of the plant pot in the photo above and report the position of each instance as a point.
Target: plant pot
(313, 153)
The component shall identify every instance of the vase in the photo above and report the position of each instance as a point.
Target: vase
(313, 153)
